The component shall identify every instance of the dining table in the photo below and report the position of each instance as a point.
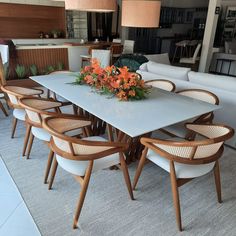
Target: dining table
(133, 119)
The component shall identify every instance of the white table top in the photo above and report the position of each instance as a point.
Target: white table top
(134, 118)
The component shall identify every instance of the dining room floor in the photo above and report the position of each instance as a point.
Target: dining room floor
(107, 209)
(15, 218)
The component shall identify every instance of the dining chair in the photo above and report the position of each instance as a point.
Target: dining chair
(186, 160)
(162, 84)
(83, 156)
(87, 58)
(183, 46)
(3, 62)
(39, 108)
(14, 93)
(179, 129)
(128, 47)
(192, 60)
(116, 51)
(103, 56)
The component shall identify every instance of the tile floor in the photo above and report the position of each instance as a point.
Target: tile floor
(15, 218)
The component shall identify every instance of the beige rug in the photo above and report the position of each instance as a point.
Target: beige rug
(108, 209)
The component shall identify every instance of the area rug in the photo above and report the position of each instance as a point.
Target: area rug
(107, 209)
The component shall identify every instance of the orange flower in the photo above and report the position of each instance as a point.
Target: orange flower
(119, 81)
(122, 95)
(115, 84)
(98, 70)
(89, 79)
(132, 93)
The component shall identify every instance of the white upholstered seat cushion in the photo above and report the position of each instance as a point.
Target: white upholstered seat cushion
(79, 167)
(179, 128)
(182, 170)
(41, 134)
(19, 114)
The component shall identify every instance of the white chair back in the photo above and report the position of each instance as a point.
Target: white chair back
(200, 94)
(196, 51)
(162, 84)
(4, 53)
(128, 47)
(103, 56)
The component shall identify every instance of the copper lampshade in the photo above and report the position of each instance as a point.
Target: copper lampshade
(91, 5)
(141, 13)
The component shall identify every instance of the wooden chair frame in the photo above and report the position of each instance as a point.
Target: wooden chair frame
(162, 80)
(116, 147)
(19, 92)
(175, 182)
(43, 111)
(3, 82)
(202, 119)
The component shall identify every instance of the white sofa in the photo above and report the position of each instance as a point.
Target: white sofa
(162, 58)
(223, 86)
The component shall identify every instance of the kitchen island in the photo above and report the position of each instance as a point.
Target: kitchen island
(47, 55)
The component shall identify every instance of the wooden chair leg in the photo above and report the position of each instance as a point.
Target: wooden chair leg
(140, 167)
(48, 93)
(3, 109)
(6, 99)
(126, 175)
(217, 181)
(14, 127)
(82, 194)
(31, 140)
(173, 59)
(27, 134)
(175, 194)
(53, 173)
(75, 109)
(49, 164)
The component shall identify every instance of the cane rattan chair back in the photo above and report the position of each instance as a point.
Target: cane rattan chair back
(205, 96)
(39, 108)
(162, 84)
(78, 149)
(81, 157)
(16, 92)
(200, 94)
(186, 160)
(193, 152)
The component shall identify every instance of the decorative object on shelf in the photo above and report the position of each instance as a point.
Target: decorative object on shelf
(113, 81)
(134, 13)
(41, 34)
(91, 6)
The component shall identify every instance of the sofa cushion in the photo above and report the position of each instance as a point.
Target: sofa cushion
(143, 67)
(159, 58)
(175, 72)
(217, 81)
(150, 76)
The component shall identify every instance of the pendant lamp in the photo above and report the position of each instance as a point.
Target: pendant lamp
(91, 5)
(141, 13)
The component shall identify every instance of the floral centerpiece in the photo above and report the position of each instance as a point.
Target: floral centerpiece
(112, 80)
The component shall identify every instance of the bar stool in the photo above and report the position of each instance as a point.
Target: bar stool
(182, 45)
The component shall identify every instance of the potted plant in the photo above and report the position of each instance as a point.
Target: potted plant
(20, 71)
(55, 33)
